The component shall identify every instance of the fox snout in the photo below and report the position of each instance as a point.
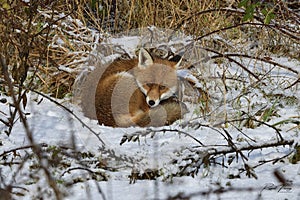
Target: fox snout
(152, 103)
(155, 93)
(152, 96)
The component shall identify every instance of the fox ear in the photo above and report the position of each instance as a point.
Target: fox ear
(145, 59)
(178, 63)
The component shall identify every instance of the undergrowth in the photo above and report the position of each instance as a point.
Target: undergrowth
(46, 44)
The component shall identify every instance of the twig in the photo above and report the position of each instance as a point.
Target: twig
(276, 26)
(91, 172)
(66, 109)
(71, 112)
(272, 160)
(220, 190)
(150, 130)
(271, 126)
(219, 54)
(297, 81)
(253, 147)
(20, 148)
(76, 168)
(180, 132)
(36, 149)
(226, 55)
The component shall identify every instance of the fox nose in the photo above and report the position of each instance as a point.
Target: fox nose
(151, 102)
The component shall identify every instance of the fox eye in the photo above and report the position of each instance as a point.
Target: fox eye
(162, 87)
(149, 85)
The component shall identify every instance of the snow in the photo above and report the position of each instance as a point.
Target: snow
(157, 148)
(52, 125)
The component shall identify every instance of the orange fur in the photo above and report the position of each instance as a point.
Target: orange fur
(138, 92)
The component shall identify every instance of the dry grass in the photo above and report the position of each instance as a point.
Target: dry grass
(49, 42)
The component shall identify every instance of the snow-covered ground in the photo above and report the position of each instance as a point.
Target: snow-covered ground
(175, 151)
(52, 125)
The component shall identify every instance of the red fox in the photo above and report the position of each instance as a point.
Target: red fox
(139, 92)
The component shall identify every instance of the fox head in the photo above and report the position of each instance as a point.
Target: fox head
(157, 79)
